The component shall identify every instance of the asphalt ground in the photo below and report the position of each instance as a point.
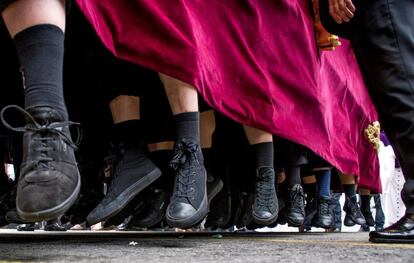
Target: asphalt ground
(113, 246)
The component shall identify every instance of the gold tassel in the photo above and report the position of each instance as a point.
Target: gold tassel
(373, 134)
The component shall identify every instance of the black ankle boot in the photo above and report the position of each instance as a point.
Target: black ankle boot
(214, 186)
(189, 204)
(153, 210)
(265, 206)
(368, 217)
(353, 213)
(295, 210)
(245, 217)
(325, 217)
(49, 181)
(54, 225)
(133, 171)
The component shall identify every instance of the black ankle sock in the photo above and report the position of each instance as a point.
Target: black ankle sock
(350, 191)
(310, 189)
(263, 154)
(188, 126)
(40, 50)
(293, 175)
(127, 131)
(162, 159)
(365, 202)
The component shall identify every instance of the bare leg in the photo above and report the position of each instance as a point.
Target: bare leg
(182, 96)
(255, 136)
(207, 127)
(125, 108)
(23, 14)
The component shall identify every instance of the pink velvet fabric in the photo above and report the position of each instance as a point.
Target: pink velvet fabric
(257, 63)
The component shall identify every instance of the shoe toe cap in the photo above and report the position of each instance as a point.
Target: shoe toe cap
(181, 210)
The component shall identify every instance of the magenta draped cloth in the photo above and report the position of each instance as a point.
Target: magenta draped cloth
(257, 63)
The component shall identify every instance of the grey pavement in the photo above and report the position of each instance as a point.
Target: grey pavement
(111, 246)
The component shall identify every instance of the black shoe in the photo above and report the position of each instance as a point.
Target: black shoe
(325, 217)
(353, 213)
(132, 173)
(400, 232)
(26, 227)
(189, 204)
(153, 210)
(214, 186)
(220, 210)
(245, 217)
(265, 206)
(54, 225)
(368, 217)
(295, 210)
(49, 181)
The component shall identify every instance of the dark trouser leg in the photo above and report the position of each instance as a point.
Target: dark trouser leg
(379, 213)
(384, 45)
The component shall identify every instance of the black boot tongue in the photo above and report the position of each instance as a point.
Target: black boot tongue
(45, 115)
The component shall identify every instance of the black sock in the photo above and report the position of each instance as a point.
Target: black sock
(263, 154)
(188, 126)
(293, 175)
(40, 50)
(127, 131)
(162, 159)
(365, 202)
(208, 156)
(350, 191)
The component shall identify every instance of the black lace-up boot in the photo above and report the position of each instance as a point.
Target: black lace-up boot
(189, 204)
(153, 211)
(54, 225)
(133, 171)
(265, 206)
(353, 213)
(49, 181)
(295, 209)
(325, 217)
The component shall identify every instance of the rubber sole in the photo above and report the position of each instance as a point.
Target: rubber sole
(124, 198)
(391, 240)
(51, 213)
(266, 222)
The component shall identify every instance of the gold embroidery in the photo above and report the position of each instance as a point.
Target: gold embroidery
(373, 134)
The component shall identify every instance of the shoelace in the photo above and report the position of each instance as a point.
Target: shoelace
(297, 199)
(185, 155)
(353, 206)
(50, 128)
(265, 190)
(324, 208)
